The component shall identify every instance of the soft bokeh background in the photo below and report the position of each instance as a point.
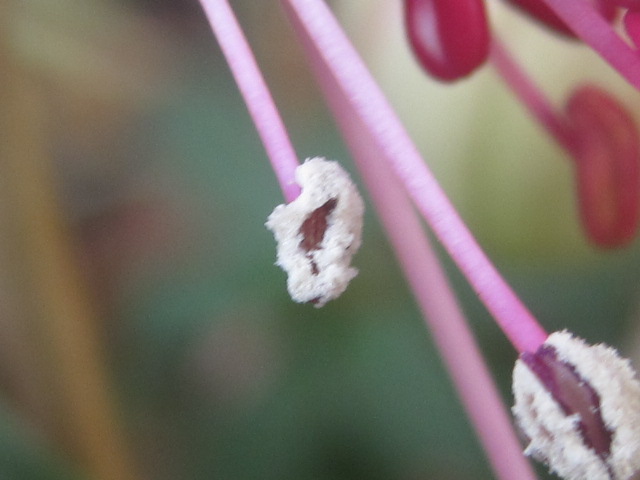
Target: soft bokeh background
(144, 331)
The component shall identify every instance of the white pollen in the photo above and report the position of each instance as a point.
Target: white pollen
(317, 257)
(555, 438)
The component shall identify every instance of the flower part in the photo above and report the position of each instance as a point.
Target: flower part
(541, 12)
(601, 137)
(253, 88)
(596, 30)
(631, 22)
(607, 160)
(319, 232)
(450, 39)
(579, 405)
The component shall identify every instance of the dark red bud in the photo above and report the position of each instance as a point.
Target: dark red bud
(539, 10)
(449, 38)
(607, 159)
(574, 395)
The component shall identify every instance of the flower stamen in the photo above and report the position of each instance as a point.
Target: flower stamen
(606, 155)
(262, 109)
(574, 394)
(450, 39)
(602, 139)
(579, 406)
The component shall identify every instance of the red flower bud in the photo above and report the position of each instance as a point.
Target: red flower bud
(449, 38)
(607, 160)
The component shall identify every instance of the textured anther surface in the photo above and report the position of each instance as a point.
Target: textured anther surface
(319, 232)
(557, 438)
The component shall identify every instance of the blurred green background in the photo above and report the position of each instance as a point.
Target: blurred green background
(144, 176)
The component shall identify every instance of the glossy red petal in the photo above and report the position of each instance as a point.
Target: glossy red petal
(449, 38)
(607, 160)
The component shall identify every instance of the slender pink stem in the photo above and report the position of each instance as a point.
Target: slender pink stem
(588, 24)
(313, 19)
(255, 93)
(436, 299)
(530, 95)
(447, 324)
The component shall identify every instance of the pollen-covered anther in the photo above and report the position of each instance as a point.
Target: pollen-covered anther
(579, 406)
(319, 232)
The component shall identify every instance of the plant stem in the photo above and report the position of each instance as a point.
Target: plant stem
(436, 299)
(530, 95)
(252, 86)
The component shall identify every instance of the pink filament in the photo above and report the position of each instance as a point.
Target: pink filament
(254, 90)
(530, 95)
(440, 309)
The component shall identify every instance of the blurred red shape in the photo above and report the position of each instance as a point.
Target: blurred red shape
(449, 38)
(607, 159)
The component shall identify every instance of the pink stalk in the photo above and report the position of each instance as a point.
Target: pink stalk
(588, 24)
(261, 107)
(530, 95)
(430, 287)
(442, 314)
(340, 60)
